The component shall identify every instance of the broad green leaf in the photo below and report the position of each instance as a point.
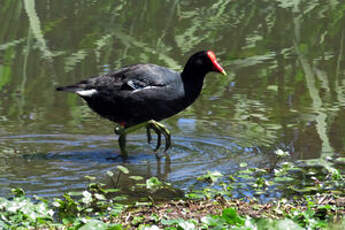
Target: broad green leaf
(153, 183)
(231, 217)
(123, 169)
(110, 173)
(136, 178)
(87, 197)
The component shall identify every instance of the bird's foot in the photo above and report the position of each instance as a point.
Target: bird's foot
(159, 129)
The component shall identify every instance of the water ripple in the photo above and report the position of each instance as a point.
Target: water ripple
(41, 171)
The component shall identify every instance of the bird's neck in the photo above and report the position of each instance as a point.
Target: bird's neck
(193, 82)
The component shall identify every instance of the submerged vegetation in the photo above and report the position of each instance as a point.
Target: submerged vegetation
(319, 203)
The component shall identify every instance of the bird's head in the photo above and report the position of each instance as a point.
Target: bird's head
(204, 62)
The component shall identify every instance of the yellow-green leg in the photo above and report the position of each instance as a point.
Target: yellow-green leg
(157, 127)
(121, 131)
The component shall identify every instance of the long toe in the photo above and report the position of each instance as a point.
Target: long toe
(167, 136)
(159, 139)
(157, 131)
(162, 129)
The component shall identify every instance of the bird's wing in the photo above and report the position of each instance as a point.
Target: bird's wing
(140, 76)
(133, 78)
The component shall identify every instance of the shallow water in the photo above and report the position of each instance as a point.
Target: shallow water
(285, 89)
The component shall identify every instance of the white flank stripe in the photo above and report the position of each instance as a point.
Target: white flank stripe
(86, 93)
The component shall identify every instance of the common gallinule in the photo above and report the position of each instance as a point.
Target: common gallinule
(140, 95)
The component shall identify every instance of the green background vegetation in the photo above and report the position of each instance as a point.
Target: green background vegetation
(285, 94)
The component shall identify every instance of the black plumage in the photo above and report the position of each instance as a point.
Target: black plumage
(143, 92)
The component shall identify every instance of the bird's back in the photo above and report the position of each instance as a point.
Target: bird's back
(133, 94)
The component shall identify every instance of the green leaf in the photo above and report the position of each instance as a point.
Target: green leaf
(285, 224)
(341, 159)
(243, 164)
(143, 203)
(56, 204)
(110, 173)
(281, 153)
(136, 178)
(145, 227)
(87, 197)
(99, 196)
(186, 225)
(153, 183)
(283, 179)
(18, 192)
(116, 210)
(120, 198)
(210, 220)
(93, 225)
(170, 222)
(91, 178)
(231, 217)
(305, 189)
(194, 195)
(124, 170)
(211, 177)
(75, 193)
(273, 88)
(108, 190)
(137, 220)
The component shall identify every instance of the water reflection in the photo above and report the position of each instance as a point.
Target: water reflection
(286, 88)
(61, 171)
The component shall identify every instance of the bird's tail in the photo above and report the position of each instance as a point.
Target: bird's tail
(69, 88)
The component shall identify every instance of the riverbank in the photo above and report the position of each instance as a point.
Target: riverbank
(320, 211)
(317, 203)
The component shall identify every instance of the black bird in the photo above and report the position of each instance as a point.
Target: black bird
(140, 95)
